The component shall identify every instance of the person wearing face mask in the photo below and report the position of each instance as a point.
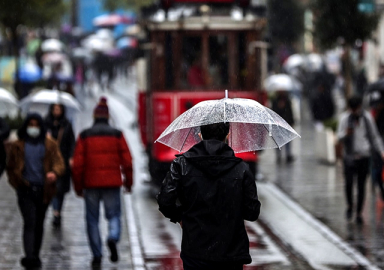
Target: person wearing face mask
(33, 166)
(359, 136)
(60, 129)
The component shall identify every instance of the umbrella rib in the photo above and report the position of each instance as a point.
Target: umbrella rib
(272, 137)
(185, 140)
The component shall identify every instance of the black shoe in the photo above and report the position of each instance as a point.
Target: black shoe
(290, 159)
(96, 262)
(359, 220)
(30, 262)
(56, 222)
(348, 214)
(113, 249)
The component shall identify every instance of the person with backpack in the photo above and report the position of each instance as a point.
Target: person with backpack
(359, 136)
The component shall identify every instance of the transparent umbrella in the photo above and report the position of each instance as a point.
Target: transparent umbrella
(252, 126)
(282, 82)
(8, 103)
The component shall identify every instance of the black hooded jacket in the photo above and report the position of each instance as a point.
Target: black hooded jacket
(211, 192)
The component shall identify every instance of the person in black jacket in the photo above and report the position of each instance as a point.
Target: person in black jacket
(210, 192)
(282, 106)
(4, 133)
(60, 129)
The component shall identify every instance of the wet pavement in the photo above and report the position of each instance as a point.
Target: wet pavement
(319, 189)
(303, 208)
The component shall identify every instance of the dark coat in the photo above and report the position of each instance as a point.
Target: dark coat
(211, 192)
(61, 130)
(323, 106)
(4, 133)
(101, 155)
(283, 107)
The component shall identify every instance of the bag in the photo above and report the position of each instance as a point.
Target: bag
(339, 150)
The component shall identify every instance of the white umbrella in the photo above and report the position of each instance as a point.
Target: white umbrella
(40, 101)
(294, 61)
(314, 62)
(252, 126)
(53, 57)
(282, 82)
(8, 103)
(52, 45)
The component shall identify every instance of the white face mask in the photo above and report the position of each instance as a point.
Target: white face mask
(33, 132)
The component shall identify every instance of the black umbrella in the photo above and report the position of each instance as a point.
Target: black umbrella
(375, 92)
(377, 86)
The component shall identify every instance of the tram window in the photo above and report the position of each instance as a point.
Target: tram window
(192, 69)
(218, 75)
(242, 60)
(169, 65)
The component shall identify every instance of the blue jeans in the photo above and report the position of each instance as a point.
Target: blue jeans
(112, 207)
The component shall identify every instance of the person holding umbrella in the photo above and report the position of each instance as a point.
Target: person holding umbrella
(210, 192)
(60, 129)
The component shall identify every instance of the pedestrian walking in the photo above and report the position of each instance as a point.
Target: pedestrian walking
(210, 192)
(33, 166)
(322, 106)
(377, 162)
(282, 106)
(4, 133)
(60, 129)
(101, 156)
(359, 136)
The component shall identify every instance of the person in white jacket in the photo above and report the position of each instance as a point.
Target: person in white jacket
(359, 136)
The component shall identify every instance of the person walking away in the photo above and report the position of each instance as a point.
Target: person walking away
(34, 164)
(101, 156)
(60, 129)
(377, 162)
(4, 134)
(322, 106)
(358, 134)
(210, 192)
(282, 106)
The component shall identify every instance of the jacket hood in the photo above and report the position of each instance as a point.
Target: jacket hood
(22, 132)
(213, 157)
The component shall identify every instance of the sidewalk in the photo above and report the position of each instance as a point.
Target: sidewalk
(319, 189)
(68, 247)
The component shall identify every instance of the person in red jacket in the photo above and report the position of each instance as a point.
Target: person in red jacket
(101, 157)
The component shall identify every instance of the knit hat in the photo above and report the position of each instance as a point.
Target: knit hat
(101, 110)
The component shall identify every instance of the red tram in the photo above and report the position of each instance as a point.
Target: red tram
(195, 53)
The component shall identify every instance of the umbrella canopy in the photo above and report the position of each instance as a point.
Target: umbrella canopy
(375, 92)
(112, 20)
(53, 57)
(282, 82)
(48, 97)
(8, 102)
(29, 73)
(377, 86)
(252, 126)
(97, 43)
(294, 61)
(52, 45)
(126, 42)
(81, 53)
(314, 62)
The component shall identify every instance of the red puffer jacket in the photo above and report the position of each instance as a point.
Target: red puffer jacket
(101, 155)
